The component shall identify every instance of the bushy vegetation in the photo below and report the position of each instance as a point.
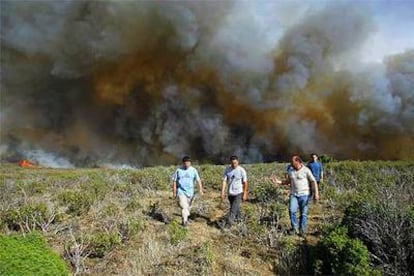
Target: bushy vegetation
(28, 217)
(107, 221)
(29, 255)
(387, 231)
(338, 254)
(177, 232)
(76, 202)
(101, 242)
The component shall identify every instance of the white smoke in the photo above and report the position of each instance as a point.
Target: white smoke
(47, 159)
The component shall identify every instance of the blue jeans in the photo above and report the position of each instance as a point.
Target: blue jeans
(301, 203)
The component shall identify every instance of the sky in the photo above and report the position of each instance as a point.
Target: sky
(395, 21)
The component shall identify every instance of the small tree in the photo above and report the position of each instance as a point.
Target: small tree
(338, 254)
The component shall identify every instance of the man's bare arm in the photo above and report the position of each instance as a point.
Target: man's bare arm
(174, 189)
(200, 187)
(315, 190)
(245, 190)
(223, 190)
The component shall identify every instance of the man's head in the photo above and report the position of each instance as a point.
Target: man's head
(234, 161)
(296, 162)
(186, 161)
(314, 157)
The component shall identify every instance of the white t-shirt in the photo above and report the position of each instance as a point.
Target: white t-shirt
(235, 178)
(300, 181)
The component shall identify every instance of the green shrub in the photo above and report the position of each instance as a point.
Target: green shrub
(122, 188)
(386, 230)
(291, 258)
(136, 225)
(338, 254)
(111, 210)
(11, 219)
(252, 221)
(134, 203)
(96, 187)
(324, 158)
(35, 187)
(204, 258)
(29, 255)
(207, 252)
(267, 192)
(101, 242)
(211, 176)
(152, 179)
(270, 203)
(77, 202)
(29, 217)
(130, 227)
(177, 232)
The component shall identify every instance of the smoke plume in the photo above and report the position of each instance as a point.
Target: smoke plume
(119, 82)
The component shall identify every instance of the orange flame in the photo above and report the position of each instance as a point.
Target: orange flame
(26, 164)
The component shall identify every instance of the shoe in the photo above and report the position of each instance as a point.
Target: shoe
(184, 223)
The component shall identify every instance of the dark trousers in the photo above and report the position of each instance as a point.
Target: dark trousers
(235, 201)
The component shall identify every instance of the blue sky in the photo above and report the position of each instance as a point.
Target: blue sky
(395, 22)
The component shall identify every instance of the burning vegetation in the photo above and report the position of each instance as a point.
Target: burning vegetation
(26, 164)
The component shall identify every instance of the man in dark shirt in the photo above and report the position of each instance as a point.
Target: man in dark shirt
(316, 167)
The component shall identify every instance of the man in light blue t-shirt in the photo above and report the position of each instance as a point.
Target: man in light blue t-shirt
(235, 183)
(183, 187)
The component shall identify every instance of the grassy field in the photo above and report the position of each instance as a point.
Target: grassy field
(125, 222)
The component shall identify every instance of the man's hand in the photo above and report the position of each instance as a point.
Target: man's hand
(244, 196)
(276, 180)
(316, 196)
(201, 192)
(223, 197)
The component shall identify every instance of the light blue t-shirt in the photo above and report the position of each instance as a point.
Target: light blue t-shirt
(185, 180)
(235, 179)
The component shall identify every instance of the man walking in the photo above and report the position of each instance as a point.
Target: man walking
(235, 184)
(183, 187)
(316, 167)
(301, 181)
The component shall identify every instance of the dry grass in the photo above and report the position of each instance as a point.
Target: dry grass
(118, 203)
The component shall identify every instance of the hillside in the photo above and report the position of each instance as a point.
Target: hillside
(125, 222)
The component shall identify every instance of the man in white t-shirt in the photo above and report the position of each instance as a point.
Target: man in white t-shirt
(302, 182)
(235, 184)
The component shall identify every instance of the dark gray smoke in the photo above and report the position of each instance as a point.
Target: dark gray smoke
(142, 83)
